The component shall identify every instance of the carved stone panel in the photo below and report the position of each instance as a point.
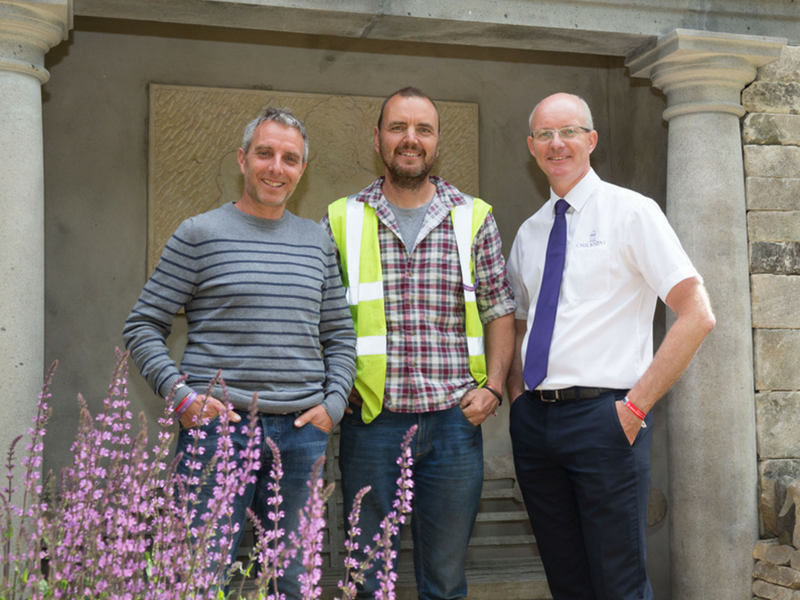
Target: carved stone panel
(195, 133)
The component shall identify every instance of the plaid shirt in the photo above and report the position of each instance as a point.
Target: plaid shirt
(427, 363)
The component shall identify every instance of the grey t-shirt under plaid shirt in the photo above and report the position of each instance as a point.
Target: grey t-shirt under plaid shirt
(409, 222)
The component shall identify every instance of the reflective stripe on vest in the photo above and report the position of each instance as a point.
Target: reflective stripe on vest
(354, 225)
(467, 220)
(362, 278)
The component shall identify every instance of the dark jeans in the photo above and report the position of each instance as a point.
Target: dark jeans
(448, 477)
(299, 449)
(586, 489)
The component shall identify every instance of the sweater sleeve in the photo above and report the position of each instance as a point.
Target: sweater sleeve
(169, 288)
(337, 338)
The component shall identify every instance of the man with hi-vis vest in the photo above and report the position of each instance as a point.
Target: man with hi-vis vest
(434, 316)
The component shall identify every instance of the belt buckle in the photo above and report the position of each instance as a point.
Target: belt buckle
(554, 399)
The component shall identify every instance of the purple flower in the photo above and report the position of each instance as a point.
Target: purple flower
(118, 522)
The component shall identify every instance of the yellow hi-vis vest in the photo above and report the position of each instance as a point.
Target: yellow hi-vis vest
(354, 225)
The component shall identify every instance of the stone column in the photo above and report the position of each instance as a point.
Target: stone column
(27, 31)
(711, 416)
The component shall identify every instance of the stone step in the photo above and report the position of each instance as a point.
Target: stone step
(495, 579)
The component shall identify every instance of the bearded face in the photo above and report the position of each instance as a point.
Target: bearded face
(408, 140)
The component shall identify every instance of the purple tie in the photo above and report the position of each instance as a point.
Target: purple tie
(545, 318)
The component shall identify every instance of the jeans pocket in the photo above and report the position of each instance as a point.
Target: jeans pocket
(461, 412)
(353, 418)
(198, 445)
(322, 431)
(209, 426)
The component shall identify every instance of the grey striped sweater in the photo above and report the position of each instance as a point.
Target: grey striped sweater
(264, 303)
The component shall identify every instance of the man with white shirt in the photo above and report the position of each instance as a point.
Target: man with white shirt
(587, 270)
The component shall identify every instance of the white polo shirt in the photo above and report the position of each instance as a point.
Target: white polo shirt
(621, 255)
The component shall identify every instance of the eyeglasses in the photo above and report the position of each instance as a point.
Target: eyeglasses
(565, 133)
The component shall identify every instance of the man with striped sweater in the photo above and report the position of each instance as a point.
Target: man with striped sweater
(265, 305)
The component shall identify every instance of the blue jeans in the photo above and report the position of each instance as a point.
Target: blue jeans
(586, 490)
(299, 449)
(448, 477)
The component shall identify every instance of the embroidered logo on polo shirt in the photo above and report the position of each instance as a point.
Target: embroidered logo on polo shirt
(593, 241)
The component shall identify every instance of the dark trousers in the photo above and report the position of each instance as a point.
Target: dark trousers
(586, 490)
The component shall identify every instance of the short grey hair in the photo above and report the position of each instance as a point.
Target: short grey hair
(587, 111)
(284, 116)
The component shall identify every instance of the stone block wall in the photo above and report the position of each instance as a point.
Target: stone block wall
(771, 136)
(777, 571)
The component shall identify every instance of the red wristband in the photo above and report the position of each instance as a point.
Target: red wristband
(633, 408)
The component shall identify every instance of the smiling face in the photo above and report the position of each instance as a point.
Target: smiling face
(565, 162)
(272, 168)
(408, 140)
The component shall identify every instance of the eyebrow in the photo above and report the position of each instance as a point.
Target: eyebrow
(268, 147)
(423, 124)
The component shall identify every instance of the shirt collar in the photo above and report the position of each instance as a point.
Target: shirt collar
(579, 195)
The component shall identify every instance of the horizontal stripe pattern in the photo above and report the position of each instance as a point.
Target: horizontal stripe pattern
(264, 304)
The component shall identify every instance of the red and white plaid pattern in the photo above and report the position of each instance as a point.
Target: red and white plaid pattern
(427, 358)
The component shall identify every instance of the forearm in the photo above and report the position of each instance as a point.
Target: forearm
(515, 385)
(335, 405)
(146, 342)
(340, 373)
(338, 341)
(695, 321)
(499, 342)
(498, 336)
(673, 357)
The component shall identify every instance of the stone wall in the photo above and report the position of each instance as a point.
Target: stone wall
(771, 134)
(777, 572)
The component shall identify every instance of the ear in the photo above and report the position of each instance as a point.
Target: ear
(592, 140)
(530, 146)
(240, 157)
(377, 138)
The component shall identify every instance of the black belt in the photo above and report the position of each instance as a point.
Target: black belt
(572, 393)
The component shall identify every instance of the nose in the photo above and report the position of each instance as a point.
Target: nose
(411, 134)
(557, 140)
(275, 164)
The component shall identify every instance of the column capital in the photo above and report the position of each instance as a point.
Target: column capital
(28, 29)
(703, 71)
